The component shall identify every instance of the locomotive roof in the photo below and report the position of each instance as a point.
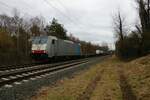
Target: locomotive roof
(53, 37)
(69, 41)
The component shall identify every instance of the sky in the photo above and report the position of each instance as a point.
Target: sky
(89, 20)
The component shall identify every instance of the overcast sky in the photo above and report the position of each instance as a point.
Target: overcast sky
(89, 20)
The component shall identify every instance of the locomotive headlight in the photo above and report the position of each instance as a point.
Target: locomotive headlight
(32, 51)
(45, 51)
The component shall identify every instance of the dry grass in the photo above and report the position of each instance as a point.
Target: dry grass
(136, 72)
(108, 88)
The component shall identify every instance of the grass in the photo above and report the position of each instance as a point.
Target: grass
(137, 73)
(108, 88)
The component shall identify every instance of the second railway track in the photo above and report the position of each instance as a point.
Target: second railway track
(16, 75)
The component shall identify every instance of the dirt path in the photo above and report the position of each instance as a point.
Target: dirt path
(86, 95)
(127, 92)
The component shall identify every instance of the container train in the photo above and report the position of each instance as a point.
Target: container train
(48, 47)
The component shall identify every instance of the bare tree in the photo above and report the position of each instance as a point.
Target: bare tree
(120, 29)
(144, 27)
(37, 25)
(119, 26)
(144, 14)
(148, 10)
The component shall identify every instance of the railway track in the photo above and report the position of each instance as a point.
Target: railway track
(11, 76)
(9, 67)
(15, 67)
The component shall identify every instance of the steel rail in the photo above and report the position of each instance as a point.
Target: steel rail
(35, 73)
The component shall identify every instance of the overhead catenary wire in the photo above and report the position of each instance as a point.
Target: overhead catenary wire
(75, 17)
(51, 5)
(11, 7)
(55, 8)
(60, 12)
(66, 9)
(70, 19)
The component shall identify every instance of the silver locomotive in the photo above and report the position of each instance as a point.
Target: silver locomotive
(47, 47)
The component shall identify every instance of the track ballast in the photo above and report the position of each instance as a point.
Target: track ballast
(11, 76)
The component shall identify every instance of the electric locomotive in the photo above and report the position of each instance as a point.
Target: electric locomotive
(48, 47)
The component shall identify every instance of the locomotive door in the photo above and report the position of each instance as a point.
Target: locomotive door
(54, 48)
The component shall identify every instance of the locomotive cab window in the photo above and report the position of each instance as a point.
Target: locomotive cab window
(53, 41)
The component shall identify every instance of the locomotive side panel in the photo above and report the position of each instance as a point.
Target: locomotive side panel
(78, 49)
(62, 48)
(52, 46)
(67, 48)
